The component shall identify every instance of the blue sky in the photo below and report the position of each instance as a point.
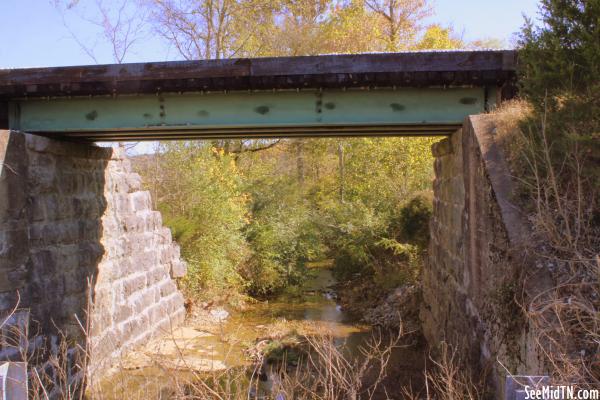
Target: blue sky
(33, 33)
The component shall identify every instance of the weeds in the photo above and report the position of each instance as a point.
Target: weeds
(561, 203)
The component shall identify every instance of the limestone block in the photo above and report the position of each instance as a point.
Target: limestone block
(13, 380)
(153, 220)
(147, 297)
(167, 287)
(134, 181)
(90, 253)
(43, 262)
(156, 274)
(13, 244)
(37, 208)
(144, 260)
(118, 154)
(442, 148)
(166, 234)
(38, 144)
(5, 283)
(8, 300)
(140, 200)
(76, 279)
(133, 223)
(42, 179)
(121, 203)
(176, 250)
(73, 305)
(119, 183)
(178, 269)
(105, 344)
(134, 284)
(122, 313)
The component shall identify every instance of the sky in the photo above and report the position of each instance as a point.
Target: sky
(33, 33)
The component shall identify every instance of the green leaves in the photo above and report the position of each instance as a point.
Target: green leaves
(251, 221)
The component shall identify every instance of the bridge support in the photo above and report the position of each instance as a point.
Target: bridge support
(78, 238)
(475, 259)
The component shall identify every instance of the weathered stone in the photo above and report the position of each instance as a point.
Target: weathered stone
(140, 201)
(134, 285)
(71, 214)
(134, 181)
(178, 269)
(469, 255)
(441, 148)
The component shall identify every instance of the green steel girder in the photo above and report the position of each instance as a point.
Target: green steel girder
(405, 111)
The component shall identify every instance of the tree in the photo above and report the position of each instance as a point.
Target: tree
(437, 37)
(560, 75)
(299, 30)
(563, 54)
(487, 43)
(199, 29)
(351, 28)
(121, 24)
(400, 20)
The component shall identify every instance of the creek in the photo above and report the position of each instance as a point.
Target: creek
(207, 345)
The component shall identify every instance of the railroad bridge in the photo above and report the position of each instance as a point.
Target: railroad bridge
(76, 225)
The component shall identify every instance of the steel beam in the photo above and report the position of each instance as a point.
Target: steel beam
(405, 111)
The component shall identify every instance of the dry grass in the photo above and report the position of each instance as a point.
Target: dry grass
(448, 378)
(561, 202)
(323, 372)
(507, 121)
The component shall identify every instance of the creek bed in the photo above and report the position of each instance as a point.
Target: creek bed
(205, 346)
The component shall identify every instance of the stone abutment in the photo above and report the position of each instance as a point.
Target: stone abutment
(78, 238)
(472, 283)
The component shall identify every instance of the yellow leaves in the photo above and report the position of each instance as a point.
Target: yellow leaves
(436, 37)
(217, 151)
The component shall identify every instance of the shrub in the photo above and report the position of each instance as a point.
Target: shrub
(389, 249)
(203, 203)
(412, 223)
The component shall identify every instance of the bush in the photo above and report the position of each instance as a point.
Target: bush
(205, 207)
(282, 239)
(389, 250)
(412, 226)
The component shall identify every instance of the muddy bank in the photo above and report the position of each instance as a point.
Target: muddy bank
(392, 309)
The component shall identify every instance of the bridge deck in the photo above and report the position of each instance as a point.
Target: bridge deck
(366, 94)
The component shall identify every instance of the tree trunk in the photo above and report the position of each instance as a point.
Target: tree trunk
(300, 161)
(342, 168)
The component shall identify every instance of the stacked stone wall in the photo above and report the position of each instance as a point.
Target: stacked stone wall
(78, 237)
(475, 267)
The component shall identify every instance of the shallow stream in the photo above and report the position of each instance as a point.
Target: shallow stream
(207, 346)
